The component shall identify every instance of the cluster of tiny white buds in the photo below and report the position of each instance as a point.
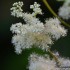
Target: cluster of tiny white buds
(18, 3)
(36, 8)
(35, 5)
(16, 9)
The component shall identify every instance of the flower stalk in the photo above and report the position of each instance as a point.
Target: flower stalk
(55, 58)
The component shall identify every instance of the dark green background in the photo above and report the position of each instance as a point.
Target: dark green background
(9, 60)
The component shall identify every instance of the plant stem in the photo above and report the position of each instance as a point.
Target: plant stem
(51, 10)
(55, 57)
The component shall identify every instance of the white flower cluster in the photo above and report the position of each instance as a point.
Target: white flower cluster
(30, 19)
(28, 35)
(16, 9)
(65, 62)
(34, 32)
(54, 28)
(37, 62)
(36, 9)
(37, 34)
(64, 11)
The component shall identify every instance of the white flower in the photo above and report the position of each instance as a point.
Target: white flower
(38, 34)
(28, 35)
(34, 32)
(37, 62)
(36, 8)
(17, 40)
(18, 3)
(16, 9)
(15, 28)
(54, 28)
(65, 62)
(64, 11)
(29, 19)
